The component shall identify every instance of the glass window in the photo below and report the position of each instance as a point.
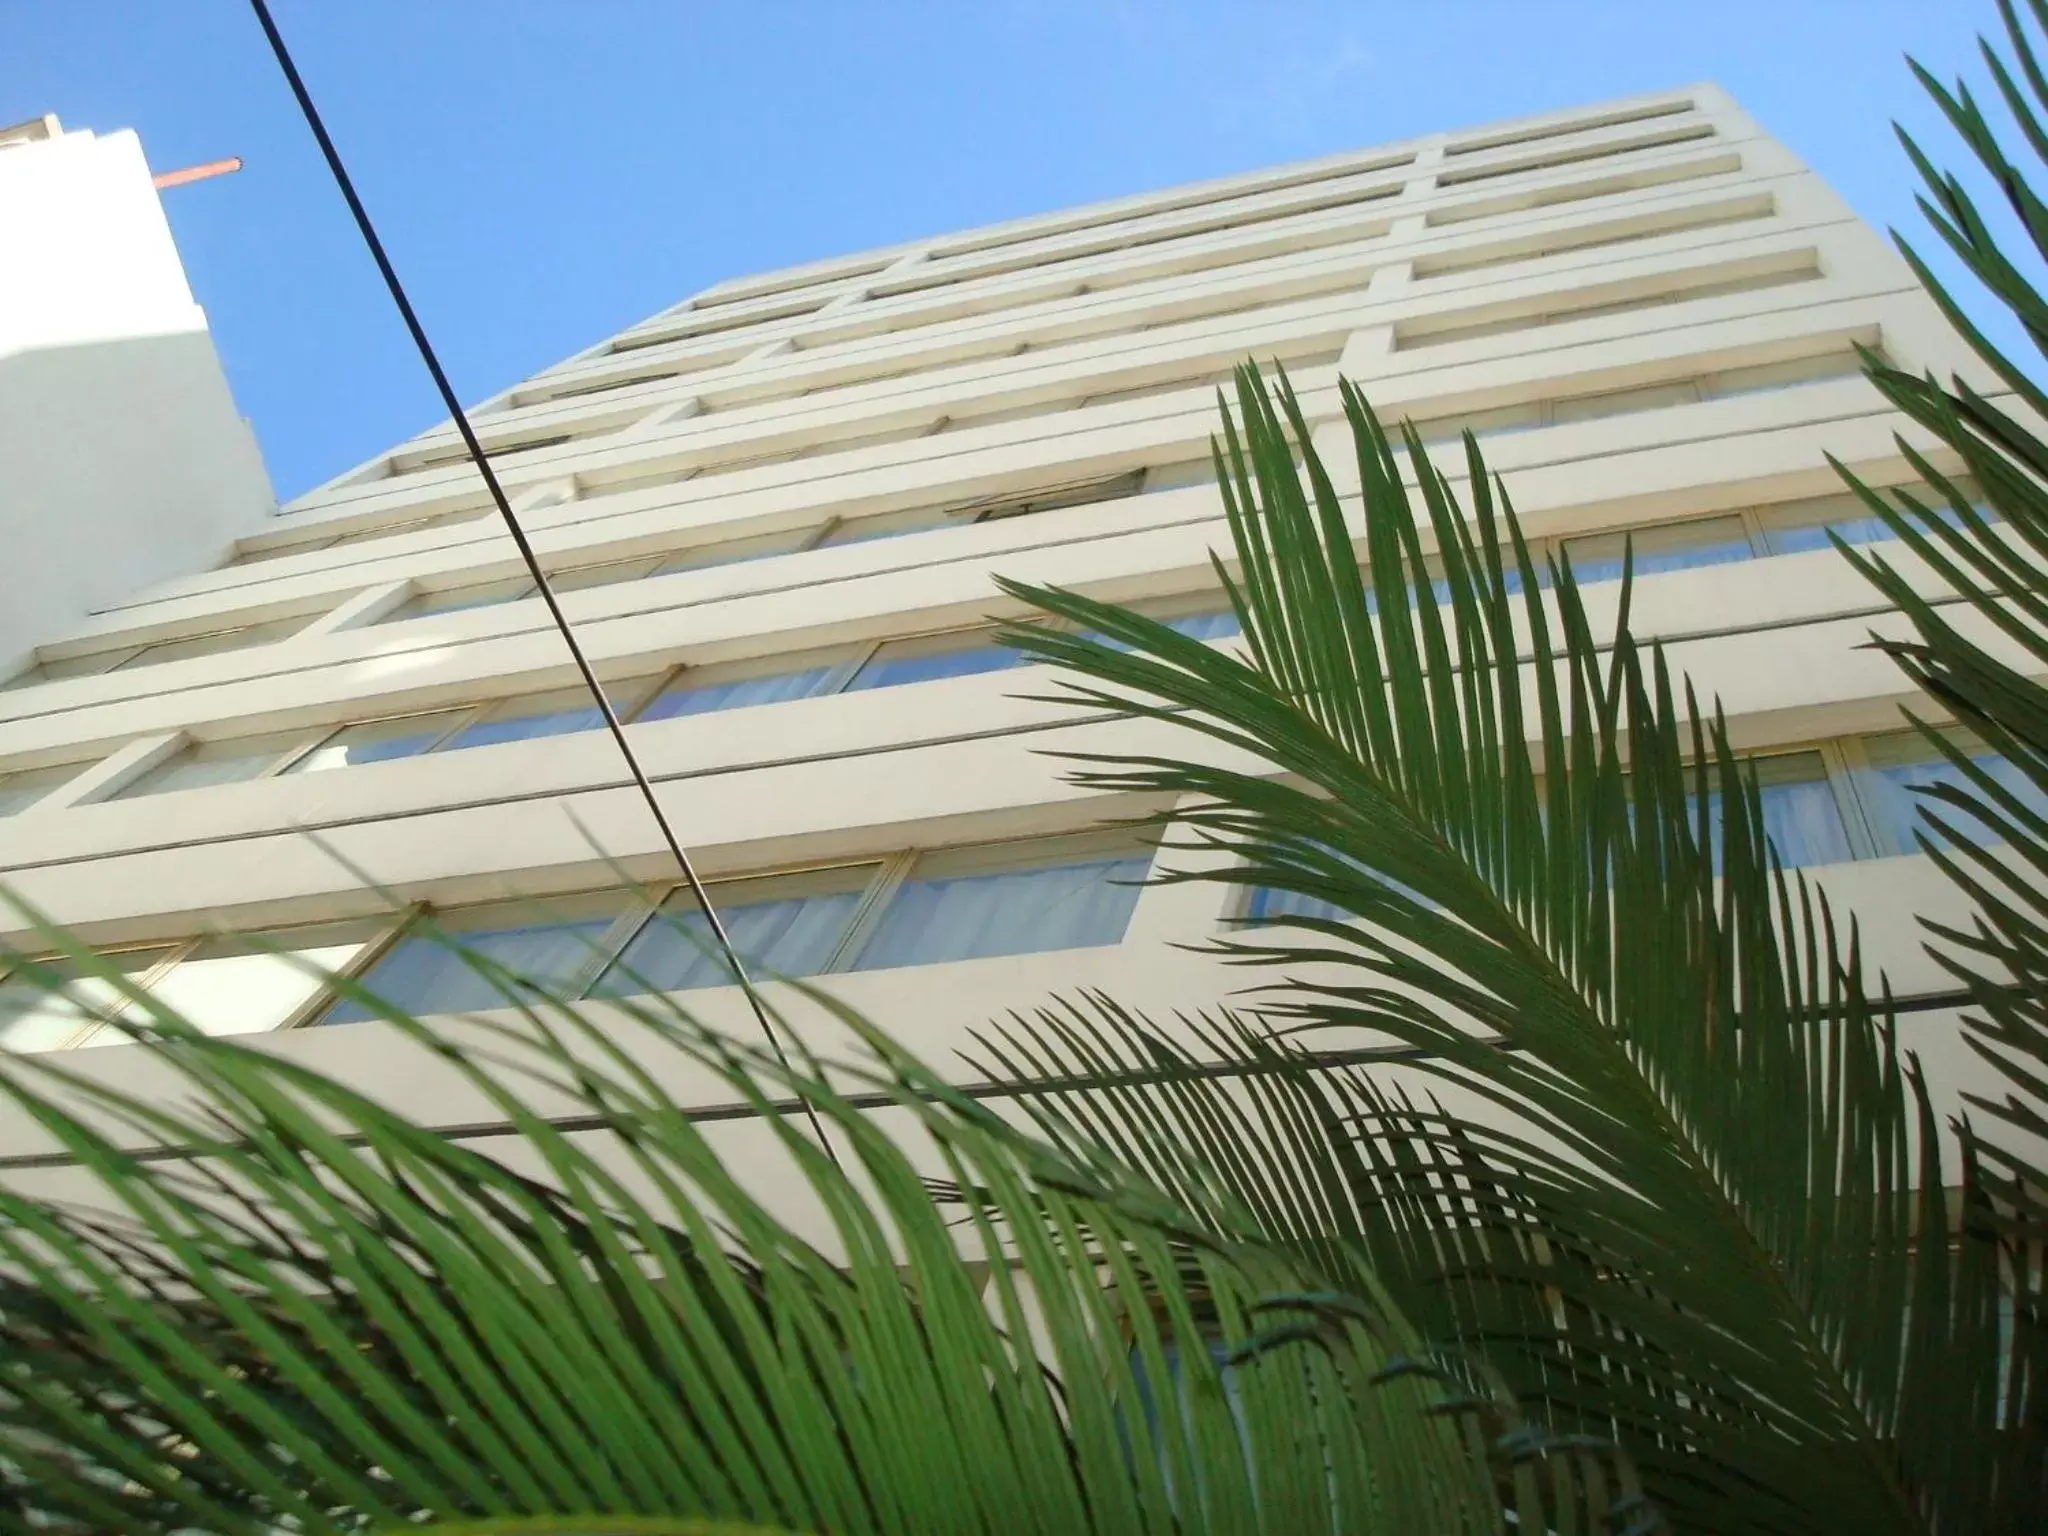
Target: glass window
(958, 653)
(1265, 904)
(19, 791)
(888, 525)
(35, 1019)
(57, 668)
(213, 762)
(1178, 477)
(560, 712)
(220, 642)
(703, 690)
(1618, 402)
(548, 947)
(1682, 546)
(242, 984)
(1787, 375)
(1903, 762)
(1009, 899)
(1802, 818)
(582, 577)
(734, 552)
(1795, 527)
(461, 599)
(377, 741)
(787, 925)
(413, 525)
(1200, 616)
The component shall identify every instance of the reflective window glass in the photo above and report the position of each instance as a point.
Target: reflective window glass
(1802, 817)
(219, 643)
(966, 903)
(560, 712)
(461, 599)
(1903, 763)
(1698, 541)
(787, 925)
(702, 691)
(245, 983)
(547, 947)
(926, 657)
(19, 791)
(377, 741)
(213, 762)
(33, 1018)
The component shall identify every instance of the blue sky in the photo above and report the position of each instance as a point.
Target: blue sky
(545, 172)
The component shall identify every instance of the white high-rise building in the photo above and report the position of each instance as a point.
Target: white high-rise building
(774, 512)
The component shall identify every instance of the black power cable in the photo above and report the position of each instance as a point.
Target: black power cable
(612, 722)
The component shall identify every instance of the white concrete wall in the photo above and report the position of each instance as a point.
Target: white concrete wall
(123, 461)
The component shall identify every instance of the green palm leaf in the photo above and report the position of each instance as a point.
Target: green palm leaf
(257, 1301)
(1677, 1200)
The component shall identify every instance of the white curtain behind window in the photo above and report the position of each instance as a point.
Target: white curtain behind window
(1006, 912)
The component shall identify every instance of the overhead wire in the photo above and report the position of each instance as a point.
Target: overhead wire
(368, 229)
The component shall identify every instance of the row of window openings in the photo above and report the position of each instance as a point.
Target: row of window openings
(1500, 420)
(1543, 197)
(1756, 207)
(1537, 413)
(832, 533)
(1841, 801)
(1203, 219)
(1311, 355)
(688, 691)
(1788, 528)
(793, 290)
(1597, 302)
(958, 417)
(919, 908)
(1612, 233)
(1844, 800)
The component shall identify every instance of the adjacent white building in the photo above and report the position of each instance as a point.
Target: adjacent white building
(123, 461)
(775, 509)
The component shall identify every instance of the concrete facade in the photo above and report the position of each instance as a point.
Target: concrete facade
(123, 461)
(1648, 305)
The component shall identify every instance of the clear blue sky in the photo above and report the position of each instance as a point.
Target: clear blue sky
(548, 171)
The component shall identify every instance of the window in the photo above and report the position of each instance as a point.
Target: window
(1902, 763)
(1555, 158)
(214, 762)
(785, 925)
(922, 658)
(1011, 899)
(245, 983)
(378, 741)
(1685, 546)
(553, 948)
(1600, 404)
(33, 1018)
(458, 453)
(1802, 817)
(703, 690)
(1575, 125)
(1267, 904)
(118, 658)
(461, 599)
(29, 786)
(1468, 325)
(560, 712)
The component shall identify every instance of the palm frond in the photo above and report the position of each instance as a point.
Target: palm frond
(260, 1301)
(1678, 1199)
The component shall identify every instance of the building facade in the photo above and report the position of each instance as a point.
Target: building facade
(774, 513)
(123, 461)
